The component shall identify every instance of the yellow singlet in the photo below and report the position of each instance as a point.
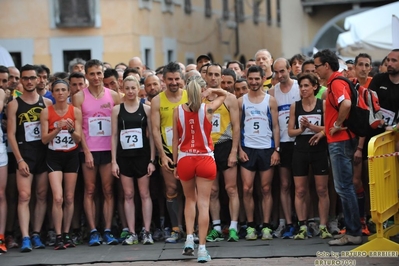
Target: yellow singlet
(221, 125)
(267, 84)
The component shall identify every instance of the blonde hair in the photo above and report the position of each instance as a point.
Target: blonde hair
(194, 94)
(131, 78)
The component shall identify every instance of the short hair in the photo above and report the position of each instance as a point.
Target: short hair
(229, 72)
(152, 75)
(215, 64)
(263, 50)
(328, 56)
(130, 70)
(172, 67)
(383, 60)
(256, 69)
(131, 78)
(287, 63)
(314, 80)
(241, 80)
(362, 55)
(299, 57)
(42, 68)
(74, 62)
(76, 75)
(61, 75)
(120, 64)
(307, 62)
(28, 67)
(204, 65)
(109, 72)
(159, 70)
(92, 63)
(4, 69)
(240, 65)
(190, 74)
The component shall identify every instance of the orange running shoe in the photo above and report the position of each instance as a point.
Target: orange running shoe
(3, 248)
(365, 229)
(342, 231)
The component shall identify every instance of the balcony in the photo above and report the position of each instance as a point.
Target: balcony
(308, 5)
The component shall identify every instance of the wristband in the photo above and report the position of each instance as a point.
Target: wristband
(322, 132)
(20, 160)
(359, 149)
(395, 128)
(70, 131)
(152, 161)
(335, 125)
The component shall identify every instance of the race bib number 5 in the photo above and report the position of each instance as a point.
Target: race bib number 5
(99, 126)
(32, 131)
(131, 138)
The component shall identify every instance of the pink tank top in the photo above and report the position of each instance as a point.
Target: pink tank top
(96, 124)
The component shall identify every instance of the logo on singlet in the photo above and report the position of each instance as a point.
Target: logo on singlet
(106, 106)
(31, 115)
(164, 108)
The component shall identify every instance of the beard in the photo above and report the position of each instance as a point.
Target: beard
(392, 71)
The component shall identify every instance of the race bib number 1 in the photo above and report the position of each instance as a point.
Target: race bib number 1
(99, 126)
(32, 131)
(131, 138)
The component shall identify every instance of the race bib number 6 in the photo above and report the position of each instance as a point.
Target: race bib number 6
(131, 138)
(32, 131)
(99, 126)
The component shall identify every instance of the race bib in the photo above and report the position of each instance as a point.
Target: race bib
(283, 117)
(216, 123)
(313, 119)
(131, 138)
(255, 125)
(169, 135)
(388, 116)
(63, 141)
(32, 131)
(99, 126)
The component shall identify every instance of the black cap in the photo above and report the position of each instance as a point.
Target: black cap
(350, 61)
(203, 56)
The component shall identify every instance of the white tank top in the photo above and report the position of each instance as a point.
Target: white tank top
(284, 101)
(256, 124)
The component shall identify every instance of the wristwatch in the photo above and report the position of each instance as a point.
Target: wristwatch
(277, 149)
(335, 125)
(152, 161)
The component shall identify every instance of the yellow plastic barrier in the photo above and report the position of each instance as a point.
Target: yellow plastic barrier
(384, 192)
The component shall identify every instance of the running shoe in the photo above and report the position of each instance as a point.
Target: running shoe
(196, 238)
(333, 227)
(188, 249)
(131, 239)
(94, 239)
(123, 235)
(242, 232)
(109, 239)
(365, 230)
(50, 240)
(303, 233)
(166, 232)
(214, 236)
(10, 242)
(203, 256)
(267, 233)
(3, 248)
(26, 245)
(370, 225)
(147, 239)
(233, 236)
(324, 232)
(289, 233)
(141, 234)
(68, 242)
(37, 243)
(314, 228)
(251, 234)
(174, 237)
(158, 235)
(59, 244)
(279, 231)
(77, 238)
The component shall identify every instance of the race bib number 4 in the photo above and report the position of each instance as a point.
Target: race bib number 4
(63, 141)
(216, 123)
(131, 138)
(32, 131)
(99, 126)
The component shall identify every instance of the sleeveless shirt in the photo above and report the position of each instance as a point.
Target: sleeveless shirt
(221, 125)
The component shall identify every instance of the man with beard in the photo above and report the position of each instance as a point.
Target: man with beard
(259, 148)
(225, 136)
(228, 79)
(152, 86)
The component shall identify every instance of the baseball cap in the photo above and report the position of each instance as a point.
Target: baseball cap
(203, 56)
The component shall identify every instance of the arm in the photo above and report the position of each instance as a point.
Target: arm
(47, 136)
(271, 91)
(114, 140)
(115, 97)
(292, 131)
(235, 123)
(47, 102)
(151, 166)
(275, 160)
(76, 125)
(215, 104)
(242, 155)
(175, 141)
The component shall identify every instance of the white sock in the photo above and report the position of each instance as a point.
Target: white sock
(190, 238)
(282, 222)
(233, 225)
(201, 247)
(217, 226)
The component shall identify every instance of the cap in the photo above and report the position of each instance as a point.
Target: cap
(203, 56)
(350, 61)
(342, 67)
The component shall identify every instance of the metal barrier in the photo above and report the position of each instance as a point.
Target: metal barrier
(384, 191)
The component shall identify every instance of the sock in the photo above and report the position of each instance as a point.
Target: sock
(216, 225)
(289, 225)
(34, 233)
(233, 225)
(107, 230)
(322, 226)
(266, 225)
(173, 209)
(93, 231)
(302, 223)
(190, 238)
(76, 231)
(125, 229)
(360, 201)
(201, 247)
(58, 236)
(282, 222)
(251, 224)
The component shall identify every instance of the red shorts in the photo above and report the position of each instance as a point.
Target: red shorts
(189, 167)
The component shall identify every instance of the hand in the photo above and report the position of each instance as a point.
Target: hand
(61, 124)
(70, 124)
(357, 157)
(150, 169)
(166, 161)
(304, 122)
(232, 160)
(315, 139)
(176, 175)
(115, 170)
(333, 130)
(275, 159)
(243, 156)
(89, 161)
(24, 169)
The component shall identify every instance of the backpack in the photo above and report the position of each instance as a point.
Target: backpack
(365, 114)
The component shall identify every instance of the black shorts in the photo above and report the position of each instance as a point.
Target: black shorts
(303, 160)
(286, 150)
(259, 159)
(221, 154)
(66, 162)
(12, 163)
(35, 157)
(99, 157)
(133, 166)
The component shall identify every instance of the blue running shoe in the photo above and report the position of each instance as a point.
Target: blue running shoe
(26, 244)
(37, 243)
(203, 256)
(289, 233)
(109, 239)
(94, 239)
(188, 249)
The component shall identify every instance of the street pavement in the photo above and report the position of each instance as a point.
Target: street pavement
(314, 251)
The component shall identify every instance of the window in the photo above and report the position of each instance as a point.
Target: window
(17, 58)
(268, 12)
(69, 55)
(187, 6)
(278, 13)
(147, 57)
(240, 11)
(226, 12)
(208, 9)
(74, 13)
(256, 7)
